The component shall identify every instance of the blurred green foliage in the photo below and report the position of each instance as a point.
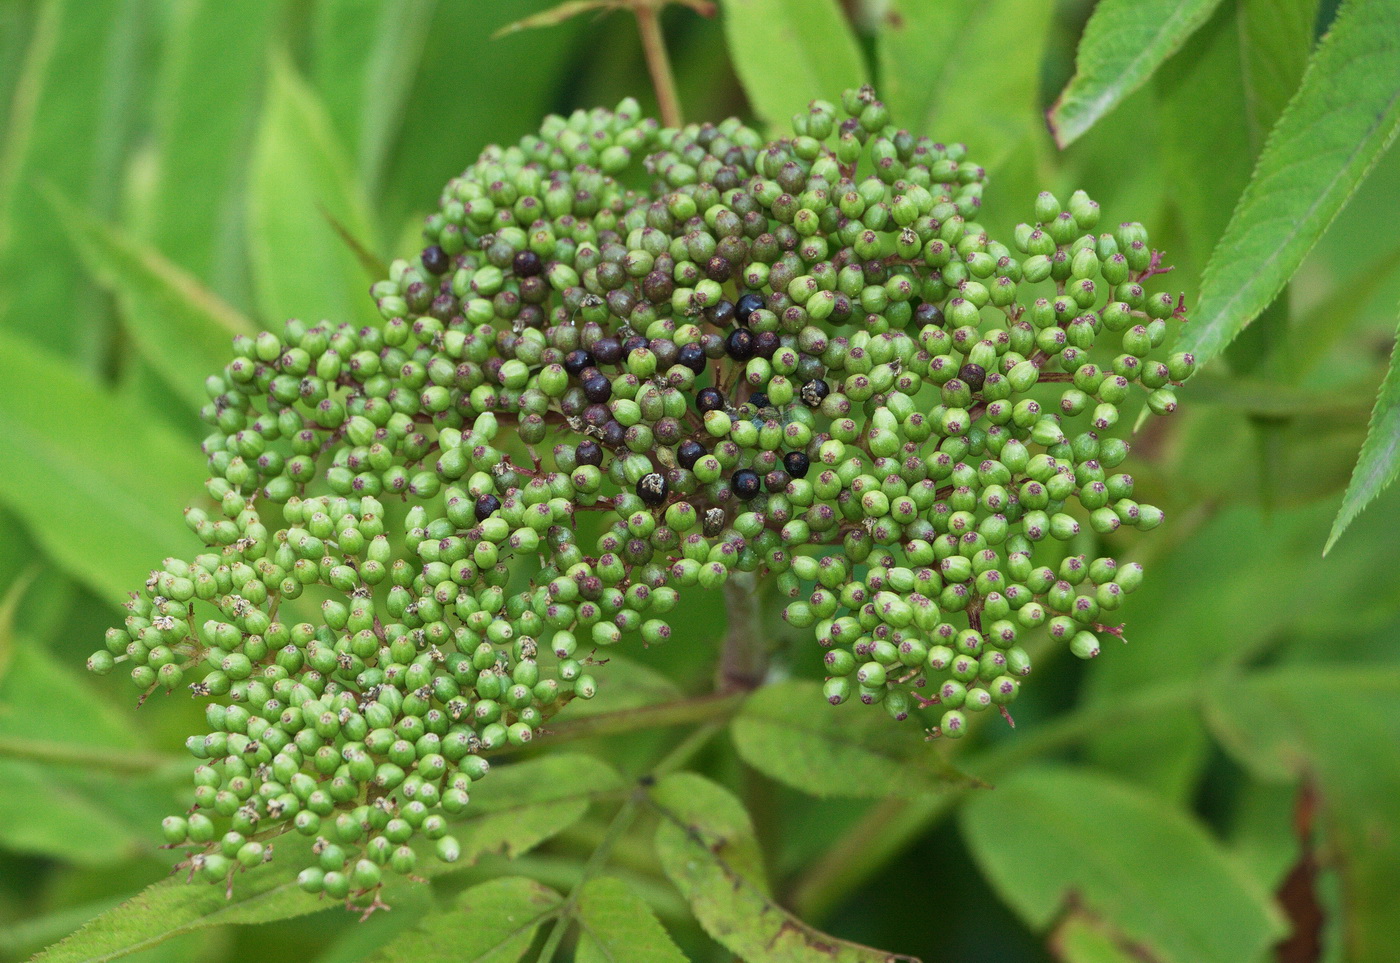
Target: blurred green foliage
(175, 170)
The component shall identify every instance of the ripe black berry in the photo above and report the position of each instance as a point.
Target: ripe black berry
(589, 452)
(652, 488)
(692, 356)
(814, 392)
(747, 305)
(719, 269)
(607, 351)
(689, 452)
(765, 343)
(739, 344)
(974, 375)
(709, 399)
(575, 361)
(758, 399)
(797, 463)
(745, 483)
(597, 389)
(527, 264)
(435, 260)
(486, 506)
(721, 315)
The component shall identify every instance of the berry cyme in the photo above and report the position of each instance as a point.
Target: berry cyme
(631, 360)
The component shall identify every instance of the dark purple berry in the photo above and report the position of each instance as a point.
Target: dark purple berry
(575, 361)
(797, 463)
(589, 452)
(692, 356)
(814, 392)
(721, 315)
(607, 351)
(709, 399)
(486, 506)
(719, 269)
(614, 434)
(765, 343)
(633, 343)
(597, 389)
(435, 260)
(974, 375)
(758, 399)
(527, 264)
(739, 344)
(747, 305)
(745, 483)
(689, 452)
(652, 488)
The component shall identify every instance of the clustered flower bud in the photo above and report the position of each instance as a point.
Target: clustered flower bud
(631, 360)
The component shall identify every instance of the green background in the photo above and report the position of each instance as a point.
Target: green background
(171, 170)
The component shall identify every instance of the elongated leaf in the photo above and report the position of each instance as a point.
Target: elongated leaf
(366, 55)
(707, 848)
(788, 52)
(944, 72)
(300, 174)
(204, 104)
(556, 15)
(1275, 39)
(519, 806)
(1271, 723)
(180, 326)
(1379, 462)
(173, 907)
(1082, 939)
(491, 923)
(77, 69)
(1043, 838)
(1123, 43)
(99, 484)
(789, 732)
(618, 927)
(1342, 119)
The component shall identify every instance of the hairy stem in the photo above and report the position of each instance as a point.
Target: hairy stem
(743, 662)
(658, 63)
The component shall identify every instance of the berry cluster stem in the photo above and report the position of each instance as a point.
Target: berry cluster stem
(743, 661)
(658, 63)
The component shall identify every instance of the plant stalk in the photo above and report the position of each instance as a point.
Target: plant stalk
(743, 661)
(658, 63)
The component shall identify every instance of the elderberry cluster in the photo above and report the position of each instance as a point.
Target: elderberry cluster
(631, 360)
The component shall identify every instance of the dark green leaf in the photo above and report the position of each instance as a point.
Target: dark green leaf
(100, 485)
(491, 923)
(944, 72)
(1123, 43)
(618, 927)
(1275, 38)
(180, 326)
(788, 52)
(1050, 837)
(788, 731)
(1379, 462)
(1277, 725)
(707, 848)
(1342, 119)
(300, 175)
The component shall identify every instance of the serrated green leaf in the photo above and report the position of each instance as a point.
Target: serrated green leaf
(301, 177)
(789, 52)
(707, 848)
(617, 926)
(1344, 116)
(365, 56)
(1379, 461)
(944, 73)
(517, 807)
(70, 92)
(1274, 724)
(204, 103)
(491, 923)
(181, 327)
(1047, 836)
(99, 483)
(173, 906)
(789, 732)
(1124, 42)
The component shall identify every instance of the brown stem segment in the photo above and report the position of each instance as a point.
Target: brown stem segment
(743, 662)
(658, 63)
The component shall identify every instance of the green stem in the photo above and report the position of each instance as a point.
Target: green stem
(743, 661)
(658, 62)
(892, 824)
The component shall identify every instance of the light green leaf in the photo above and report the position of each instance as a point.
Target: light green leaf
(944, 72)
(1379, 462)
(204, 103)
(789, 52)
(301, 178)
(173, 907)
(65, 127)
(1274, 724)
(707, 847)
(9, 604)
(491, 923)
(365, 56)
(99, 483)
(617, 926)
(1124, 42)
(1048, 836)
(180, 326)
(1342, 119)
(789, 732)
(519, 806)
